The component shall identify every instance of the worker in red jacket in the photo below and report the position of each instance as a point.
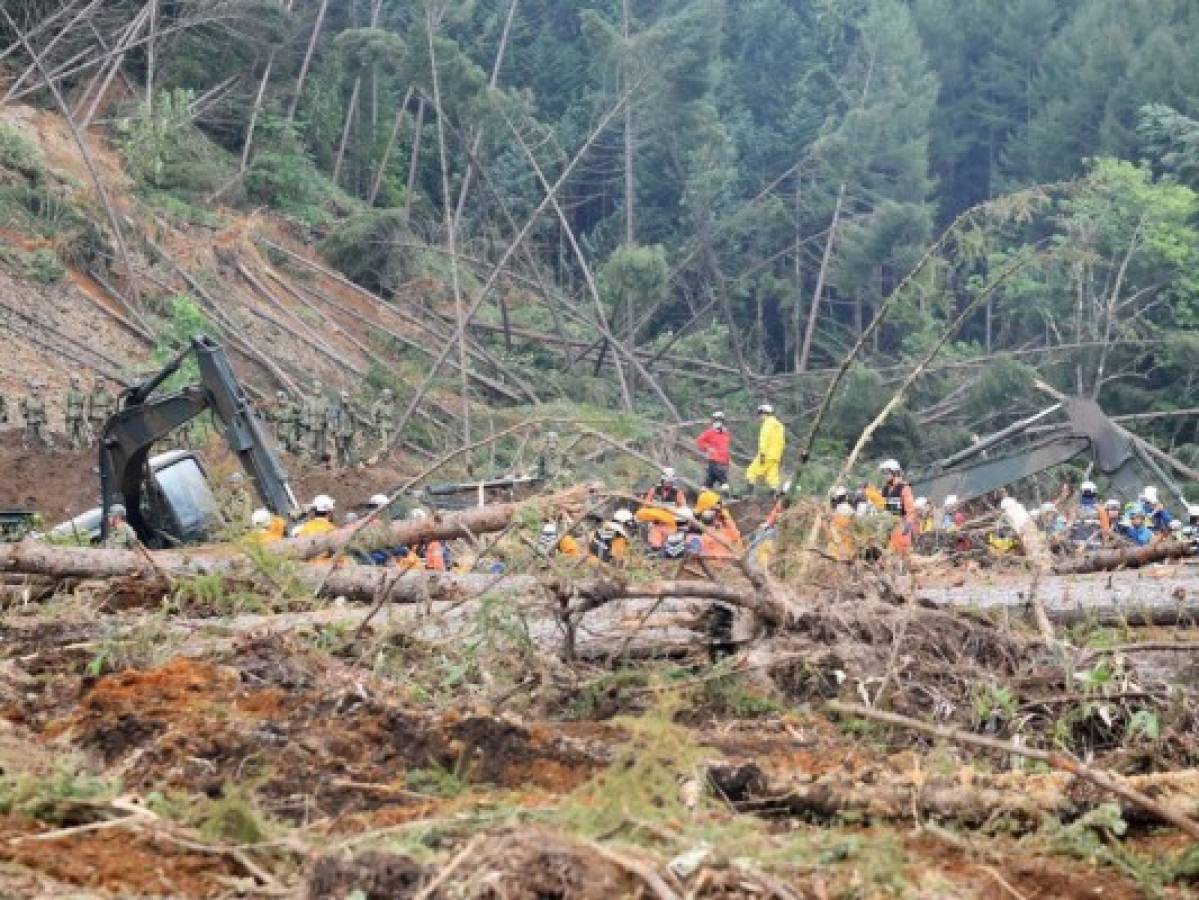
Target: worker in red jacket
(714, 444)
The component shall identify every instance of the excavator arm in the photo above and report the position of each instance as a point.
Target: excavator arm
(1088, 429)
(144, 419)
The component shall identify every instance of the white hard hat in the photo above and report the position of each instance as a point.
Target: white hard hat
(418, 515)
(890, 465)
(117, 510)
(921, 502)
(1008, 503)
(622, 516)
(1149, 495)
(951, 500)
(765, 409)
(718, 415)
(1048, 507)
(260, 518)
(838, 492)
(549, 529)
(1111, 503)
(1175, 525)
(668, 474)
(1193, 510)
(323, 503)
(683, 514)
(378, 501)
(1088, 487)
(844, 509)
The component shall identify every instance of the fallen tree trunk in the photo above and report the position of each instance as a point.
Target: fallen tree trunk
(1023, 799)
(470, 524)
(1131, 558)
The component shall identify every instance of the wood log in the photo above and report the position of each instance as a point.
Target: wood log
(1131, 558)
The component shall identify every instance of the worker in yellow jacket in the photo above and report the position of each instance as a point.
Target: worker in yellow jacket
(772, 440)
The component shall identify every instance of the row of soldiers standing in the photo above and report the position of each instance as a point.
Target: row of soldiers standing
(84, 414)
(317, 429)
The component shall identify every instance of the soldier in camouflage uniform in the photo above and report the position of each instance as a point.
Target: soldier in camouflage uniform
(101, 404)
(283, 416)
(383, 419)
(76, 407)
(344, 431)
(33, 410)
(315, 419)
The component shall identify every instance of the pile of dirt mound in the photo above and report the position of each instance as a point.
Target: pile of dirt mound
(57, 483)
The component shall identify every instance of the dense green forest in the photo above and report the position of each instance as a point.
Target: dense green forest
(744, 184)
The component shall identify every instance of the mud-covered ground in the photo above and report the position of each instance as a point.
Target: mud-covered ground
(206, 752)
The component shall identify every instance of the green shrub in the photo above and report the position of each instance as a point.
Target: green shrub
(165, 151)
(19, 155)
(41, 265)
(282, 175)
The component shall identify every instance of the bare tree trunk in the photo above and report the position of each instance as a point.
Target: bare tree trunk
(257, 108)
(151, 55)
(477, 140)
(630, 220)
(798, 263)
(509, 252)
(805, 353)
(401, 110)
(312, 44)
(135, 29)
(451, 240)
(345, 130)
(414, 161)
(37, 60)
(90, 162)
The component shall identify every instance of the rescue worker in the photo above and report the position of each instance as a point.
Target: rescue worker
(101, 405)
(609, 543)
(683, 541)
(266, 528)
(121, 535)
(1135, 529)
(899, 502)
(1088, 499)
(236, 505)
(665, 493)
(314, 417)
(344, 432)
(719, 538)
(841, 543)
(952, 516)
(924, 516)
(433, 556)
(772, 440)
(714, 444)
(837, 496)
(1157, 516)
(321, 520)
(1190, 531)
(1109, 516)
(549, 459)
(551, 543)
(282, 417)
(33, 410)
(379, 501)
(74, 416)
(383, 419)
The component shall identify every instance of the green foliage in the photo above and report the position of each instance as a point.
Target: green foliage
(281, 174)
(1171, 141)
(632, 279)
(54, 799)
(18, 155)
(184, 321)
(233, 818)
(41, 265)
(164, 151)
(362, 248)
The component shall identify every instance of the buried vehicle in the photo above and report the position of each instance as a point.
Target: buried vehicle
(168, 498)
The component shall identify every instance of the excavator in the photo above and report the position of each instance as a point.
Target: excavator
(167, 497)
(1118, 455)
